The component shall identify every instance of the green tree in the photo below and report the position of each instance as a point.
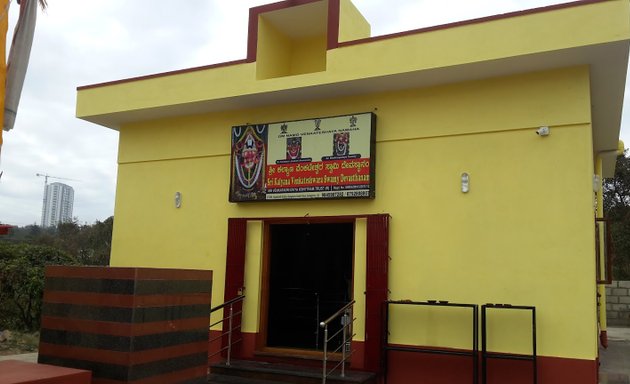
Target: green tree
(98, 240)
(68, 238)
(89, 244)
(26, 251)
(22, 282)
(617, 209)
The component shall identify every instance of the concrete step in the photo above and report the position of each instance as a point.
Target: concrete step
(274, 373)
(229, 379)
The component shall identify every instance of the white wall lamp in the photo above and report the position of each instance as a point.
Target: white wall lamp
(178, 199)
(465, 182)
(543, 131)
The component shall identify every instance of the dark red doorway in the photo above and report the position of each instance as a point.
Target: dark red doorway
(310, 278)
(376, 279)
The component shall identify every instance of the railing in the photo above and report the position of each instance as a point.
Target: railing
(485, 354)
(230, 328)
(347, 334)
(473, 353)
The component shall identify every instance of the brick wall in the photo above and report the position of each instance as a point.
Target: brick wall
(618, 303)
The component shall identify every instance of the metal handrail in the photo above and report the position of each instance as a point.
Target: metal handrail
(221, 306)
(231, 327)
(339, 312)
(347, 320)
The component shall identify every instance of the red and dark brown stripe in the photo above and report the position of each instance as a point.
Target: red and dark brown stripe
(128, 301)
(125, 315)
(127, 287)
(121, 358)
(199, 375)
(122, 343)
(121, 329)
(123, 273)
(127, 325)
(135, 373)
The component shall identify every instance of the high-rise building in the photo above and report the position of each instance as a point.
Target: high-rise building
(57, 206)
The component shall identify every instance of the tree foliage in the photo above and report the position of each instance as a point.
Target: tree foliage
(89, 244)
(22, 282)
(617, 209)
(25, 253)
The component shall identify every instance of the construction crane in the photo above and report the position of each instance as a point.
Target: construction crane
(46, 176)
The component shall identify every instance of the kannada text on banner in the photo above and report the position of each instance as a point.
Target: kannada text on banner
(306, 159)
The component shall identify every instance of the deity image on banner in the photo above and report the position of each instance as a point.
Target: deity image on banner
(294, 148)
(341, 144)
(249, 153)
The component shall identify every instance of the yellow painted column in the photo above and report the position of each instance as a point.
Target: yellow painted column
(253, 276)
(360, 273)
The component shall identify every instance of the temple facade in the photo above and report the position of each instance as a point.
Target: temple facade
(458, 164)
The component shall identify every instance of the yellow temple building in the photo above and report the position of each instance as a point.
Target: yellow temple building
(457, 164)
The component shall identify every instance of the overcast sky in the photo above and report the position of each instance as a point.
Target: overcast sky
(81, 42)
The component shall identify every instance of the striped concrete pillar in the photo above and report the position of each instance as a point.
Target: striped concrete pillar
(127, 325)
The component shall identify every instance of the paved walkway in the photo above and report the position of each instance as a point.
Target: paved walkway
(29, 357)
(615, 360)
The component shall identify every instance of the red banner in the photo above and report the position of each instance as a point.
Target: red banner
(321, 158)
(318, 174)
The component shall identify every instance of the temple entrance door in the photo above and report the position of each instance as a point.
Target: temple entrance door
(310, 272)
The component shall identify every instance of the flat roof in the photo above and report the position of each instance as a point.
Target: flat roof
(595, 33)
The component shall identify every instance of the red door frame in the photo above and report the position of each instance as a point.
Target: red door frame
(235, 277)
(377, 268)
(377, 261)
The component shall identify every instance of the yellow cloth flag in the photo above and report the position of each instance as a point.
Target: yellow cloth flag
(4, 26)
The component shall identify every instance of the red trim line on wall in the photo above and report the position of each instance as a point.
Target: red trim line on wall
(406, 367)
(163, 74)
(333, 34)
(334, 11)
(470, 22)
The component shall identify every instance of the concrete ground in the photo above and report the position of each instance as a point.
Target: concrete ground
(29, 357)
(615, 360)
